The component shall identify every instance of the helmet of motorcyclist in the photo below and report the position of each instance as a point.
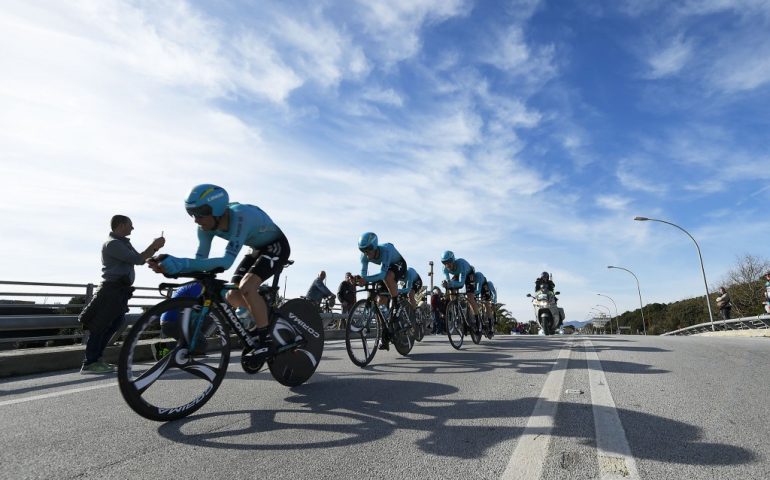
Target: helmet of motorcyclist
(544, 275)
(206, 199)
(367, 241)
(448, 256)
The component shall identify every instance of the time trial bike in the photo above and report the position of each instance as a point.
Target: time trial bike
(182, 380)
(367, 322)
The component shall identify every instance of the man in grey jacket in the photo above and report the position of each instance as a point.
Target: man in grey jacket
(318, 290)
(106, 311)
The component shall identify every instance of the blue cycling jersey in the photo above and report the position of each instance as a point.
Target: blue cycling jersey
(189, 290)
(387, 256)
(462, 269)
(480, 279)
(411, 277)
(492, 290)
(249, 226)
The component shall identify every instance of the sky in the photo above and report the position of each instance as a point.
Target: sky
(523, 135)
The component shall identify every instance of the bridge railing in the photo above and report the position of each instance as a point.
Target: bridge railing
(25, 323)
(743, 323)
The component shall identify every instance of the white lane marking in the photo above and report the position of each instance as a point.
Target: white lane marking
(527, 460)
(55, 394)
(614, 454)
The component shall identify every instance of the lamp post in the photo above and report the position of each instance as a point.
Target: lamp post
(608, 311)
(638, 289)
(697, 247)
(616, 311)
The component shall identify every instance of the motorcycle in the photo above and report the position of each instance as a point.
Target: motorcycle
(547, 313)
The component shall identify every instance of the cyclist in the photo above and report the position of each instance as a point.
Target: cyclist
(459, 273)
(487, 293)
(392, 269)
(412, 285)
(242, 225)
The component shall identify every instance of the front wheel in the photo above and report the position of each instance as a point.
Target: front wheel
(362, 333)
(474, 326)
(454, 325)
(403, 337)
(174, 381)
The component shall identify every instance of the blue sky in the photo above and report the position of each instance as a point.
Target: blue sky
(523, 135)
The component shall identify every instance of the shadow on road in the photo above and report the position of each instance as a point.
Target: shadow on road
(339, 412)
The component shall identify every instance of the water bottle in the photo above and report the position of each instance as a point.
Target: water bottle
(245, 318)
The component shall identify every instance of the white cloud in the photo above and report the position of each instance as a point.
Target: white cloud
(612, 202)
(671, 59)
(635, 174)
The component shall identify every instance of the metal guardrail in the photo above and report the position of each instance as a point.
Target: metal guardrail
(743, 323)
(25, 323)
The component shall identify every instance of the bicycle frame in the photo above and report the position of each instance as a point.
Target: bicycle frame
(213, 296)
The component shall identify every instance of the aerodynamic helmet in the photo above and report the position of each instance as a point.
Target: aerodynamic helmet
(207, 199)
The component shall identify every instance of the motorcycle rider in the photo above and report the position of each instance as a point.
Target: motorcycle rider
(544, 278)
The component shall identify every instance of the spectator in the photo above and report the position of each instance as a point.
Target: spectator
(106, 311)
(438, 309)
(767, 292)
(723, 303)
(346, 293)
(318, 290)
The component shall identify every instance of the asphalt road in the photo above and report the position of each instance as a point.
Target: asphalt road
(570, 407)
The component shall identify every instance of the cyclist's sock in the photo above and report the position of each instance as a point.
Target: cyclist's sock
(262, 334)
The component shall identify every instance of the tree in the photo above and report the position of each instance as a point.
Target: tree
(504, 321)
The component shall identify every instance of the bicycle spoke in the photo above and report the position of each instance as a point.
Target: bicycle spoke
(201, 370)
(143, 382)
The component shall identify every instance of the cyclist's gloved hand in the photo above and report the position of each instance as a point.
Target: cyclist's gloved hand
(172, 265)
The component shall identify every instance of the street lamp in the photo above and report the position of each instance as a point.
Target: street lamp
(616, 310)
(608, 311)
(703, 270)
(638, 289)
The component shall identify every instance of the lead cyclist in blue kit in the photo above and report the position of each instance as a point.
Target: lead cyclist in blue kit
(241, 225)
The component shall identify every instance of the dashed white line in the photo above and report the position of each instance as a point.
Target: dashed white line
(55, 394)
(614, 454)
(528, 458)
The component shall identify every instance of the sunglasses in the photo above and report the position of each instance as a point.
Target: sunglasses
(200, 211)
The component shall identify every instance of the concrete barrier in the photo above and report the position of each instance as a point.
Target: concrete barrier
(50, 359)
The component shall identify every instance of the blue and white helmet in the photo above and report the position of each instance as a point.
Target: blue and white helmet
(448, 256)
(207, 199)
(367, 241)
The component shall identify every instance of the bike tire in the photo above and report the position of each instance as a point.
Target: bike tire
(152, 387)
(474, 327)
(454, 325)
(296, 365)
(362, 333)
(419, 330)
(403, 340)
